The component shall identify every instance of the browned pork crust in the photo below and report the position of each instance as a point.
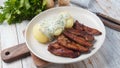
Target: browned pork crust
(59, 50)
(86, 36)
(77, 39)
(70, 44)
(87, 29)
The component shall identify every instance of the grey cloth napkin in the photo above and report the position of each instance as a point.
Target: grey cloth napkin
(83, 3)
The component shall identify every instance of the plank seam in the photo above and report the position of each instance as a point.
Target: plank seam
(18, 43)
(0, 51)
(84, 64)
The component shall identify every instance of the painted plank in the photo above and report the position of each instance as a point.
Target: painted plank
(0, 51)
(26, 62)
(108, 55)
(80, 64)
(8, 39)
(111, 7)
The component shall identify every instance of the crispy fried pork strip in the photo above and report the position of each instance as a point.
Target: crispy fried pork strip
(91, 31)
(77, 39)
(78, 26)
(59, 50)
(83, 34)
(87, 29)
(70, 44)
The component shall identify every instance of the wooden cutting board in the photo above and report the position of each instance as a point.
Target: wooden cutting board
(21, 51)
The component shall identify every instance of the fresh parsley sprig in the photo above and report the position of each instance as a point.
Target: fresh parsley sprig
(15, 11)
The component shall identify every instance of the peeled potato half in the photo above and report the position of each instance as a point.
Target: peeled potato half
(69, 22)
(38, 35)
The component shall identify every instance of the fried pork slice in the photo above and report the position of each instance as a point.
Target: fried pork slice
(87, 29)
(64, 41)
(59, 50)
(77, 39)
(91, 31)
(86, 36)
(78, 26)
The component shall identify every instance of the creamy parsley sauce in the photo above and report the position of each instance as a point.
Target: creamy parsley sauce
(49, 25)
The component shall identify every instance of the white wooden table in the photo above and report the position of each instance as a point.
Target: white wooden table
(107, 57)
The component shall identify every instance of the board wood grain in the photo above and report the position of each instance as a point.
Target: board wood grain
(15, 53)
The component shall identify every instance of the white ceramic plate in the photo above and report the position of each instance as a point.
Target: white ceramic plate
(82, 15)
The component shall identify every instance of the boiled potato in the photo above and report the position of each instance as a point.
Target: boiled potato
(38, 35)
(69, 22)
(58, 32)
